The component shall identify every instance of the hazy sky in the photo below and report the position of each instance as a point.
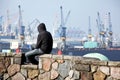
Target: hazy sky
(47, 10)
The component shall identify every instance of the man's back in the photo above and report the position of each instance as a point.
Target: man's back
(44, 40)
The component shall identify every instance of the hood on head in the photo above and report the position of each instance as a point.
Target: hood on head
(41, 27)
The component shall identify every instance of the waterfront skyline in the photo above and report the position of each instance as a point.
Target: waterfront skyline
(49, 12)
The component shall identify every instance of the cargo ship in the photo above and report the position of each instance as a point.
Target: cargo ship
(77, 49)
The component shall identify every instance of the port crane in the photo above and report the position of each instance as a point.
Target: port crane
(101, 31)
(103, 34)
(1, 19)
(31, 28)
(7, 29)
(110, 31)
(21, 28)
(62, 29)
(89, 30)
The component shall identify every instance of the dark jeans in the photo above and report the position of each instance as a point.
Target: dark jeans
(30, 56)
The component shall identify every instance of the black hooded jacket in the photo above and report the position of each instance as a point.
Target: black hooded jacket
(44, 39)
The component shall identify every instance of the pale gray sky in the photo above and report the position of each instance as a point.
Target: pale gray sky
(47, 10)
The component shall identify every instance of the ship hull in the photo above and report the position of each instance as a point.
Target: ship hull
(112, 55)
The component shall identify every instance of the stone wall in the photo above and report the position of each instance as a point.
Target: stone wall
(58, 67)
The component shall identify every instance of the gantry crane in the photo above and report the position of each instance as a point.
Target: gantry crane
(101, 31)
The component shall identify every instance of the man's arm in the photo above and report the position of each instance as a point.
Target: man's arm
(38, 41)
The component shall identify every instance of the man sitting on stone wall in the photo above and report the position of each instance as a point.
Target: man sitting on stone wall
(43, 46)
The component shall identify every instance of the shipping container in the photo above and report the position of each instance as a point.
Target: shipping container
(90, 44)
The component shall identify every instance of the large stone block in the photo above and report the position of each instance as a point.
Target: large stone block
(71, 72)
(93, 68)
(10, 54)
(64, 69)
(12, 69)
(24, 72)
(99, 75)
(17, 60)
(18, 76)
(32, 73)
(18, 55)
(67, 57)
(5, 76)
(86, 75)
(114, 63)
(54, 74)
(44, 76)
(12, 60)
(100, 63)
(2, 68)
(55, 65)
(82, 67)
(105, 70)
(115, 72)
(46, 63)
(60, 78)
(56, 57)
(29, 66)
(76, 75)
(46, 56)
(1, 59)
(7, 61)
(40, 63)
(68, 78)
(2, 54)
(110, 78)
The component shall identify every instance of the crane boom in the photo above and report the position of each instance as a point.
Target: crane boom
(99, 23)
(62, 19)
(110, 24)
(1, 19)
(31, 29)
(110, 31)
(66, 19)
(20, 17)
(62, 28)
